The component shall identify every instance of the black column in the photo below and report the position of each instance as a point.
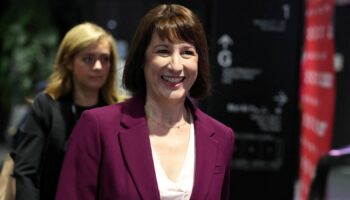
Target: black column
(256, 50)
(341, 134)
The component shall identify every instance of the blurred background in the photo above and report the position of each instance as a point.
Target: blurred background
(280, 72)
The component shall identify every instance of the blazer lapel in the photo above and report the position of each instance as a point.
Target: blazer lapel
(136, 148)
(206, 150)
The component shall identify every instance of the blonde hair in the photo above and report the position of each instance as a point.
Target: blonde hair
(75, 41)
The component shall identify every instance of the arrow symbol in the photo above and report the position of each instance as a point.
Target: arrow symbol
(281, 98)
(225, 40)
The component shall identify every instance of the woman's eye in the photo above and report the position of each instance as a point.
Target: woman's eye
(163, 51)
(88, 59)
(105, 59)
(188, 53)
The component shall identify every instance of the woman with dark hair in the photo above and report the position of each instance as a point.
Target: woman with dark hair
(158, 144)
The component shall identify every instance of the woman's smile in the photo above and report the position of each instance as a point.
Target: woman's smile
(173, 80)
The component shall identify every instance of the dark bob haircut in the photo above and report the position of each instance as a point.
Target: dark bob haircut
(174, 23)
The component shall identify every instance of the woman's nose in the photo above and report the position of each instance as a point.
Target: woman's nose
(97, 65)
(175, 63)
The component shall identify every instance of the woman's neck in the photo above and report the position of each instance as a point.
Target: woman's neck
(166, 113)
(85, 98)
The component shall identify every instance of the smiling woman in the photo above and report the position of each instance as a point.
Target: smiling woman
(170, 69)
(158, 144)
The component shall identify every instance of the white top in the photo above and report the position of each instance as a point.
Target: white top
(182, 188)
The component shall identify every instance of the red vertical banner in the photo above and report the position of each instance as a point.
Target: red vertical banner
(317, 89)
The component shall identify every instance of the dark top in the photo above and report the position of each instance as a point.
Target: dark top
(43, 138)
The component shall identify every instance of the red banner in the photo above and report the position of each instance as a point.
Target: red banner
(317, 89)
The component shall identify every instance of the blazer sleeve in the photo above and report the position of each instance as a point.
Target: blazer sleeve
(229, 151)
(79, 174)
(28, 153)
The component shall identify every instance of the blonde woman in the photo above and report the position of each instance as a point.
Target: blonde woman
(83, 77)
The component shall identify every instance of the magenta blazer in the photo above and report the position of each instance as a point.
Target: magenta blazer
(109, 156)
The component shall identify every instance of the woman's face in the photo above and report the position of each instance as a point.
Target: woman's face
(170, 69)
(90, 67)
